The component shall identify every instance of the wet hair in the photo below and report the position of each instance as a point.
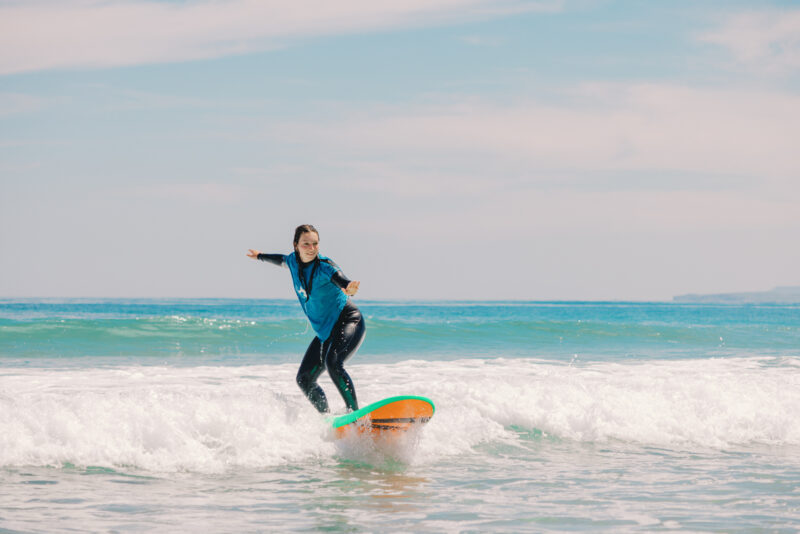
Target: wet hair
(302, 229)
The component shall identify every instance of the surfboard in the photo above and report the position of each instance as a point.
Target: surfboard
(390, 416)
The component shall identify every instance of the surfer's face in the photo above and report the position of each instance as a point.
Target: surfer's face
(308, 246)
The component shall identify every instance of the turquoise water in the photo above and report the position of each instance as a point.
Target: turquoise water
(183, 415)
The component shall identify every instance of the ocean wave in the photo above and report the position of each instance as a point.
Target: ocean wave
(212, 419)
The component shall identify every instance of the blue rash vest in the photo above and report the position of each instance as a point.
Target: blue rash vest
(321, 299)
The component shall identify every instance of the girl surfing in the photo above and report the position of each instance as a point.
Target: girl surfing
(323, 293)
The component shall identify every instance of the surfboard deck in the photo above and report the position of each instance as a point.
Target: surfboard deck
(386, 417)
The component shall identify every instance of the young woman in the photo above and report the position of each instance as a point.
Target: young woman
(323, 292)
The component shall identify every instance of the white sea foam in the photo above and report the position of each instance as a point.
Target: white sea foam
(211, 419)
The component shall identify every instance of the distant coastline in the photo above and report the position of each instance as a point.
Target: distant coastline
(779, 295)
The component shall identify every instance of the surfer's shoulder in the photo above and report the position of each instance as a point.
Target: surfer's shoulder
(329, 264)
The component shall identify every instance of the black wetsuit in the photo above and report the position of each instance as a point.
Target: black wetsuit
(345, 336)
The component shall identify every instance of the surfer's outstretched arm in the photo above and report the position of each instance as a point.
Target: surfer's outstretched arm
(275, 259)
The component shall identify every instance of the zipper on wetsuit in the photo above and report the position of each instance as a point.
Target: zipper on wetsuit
(300, 272)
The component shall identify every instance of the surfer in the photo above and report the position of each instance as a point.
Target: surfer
(324, 294)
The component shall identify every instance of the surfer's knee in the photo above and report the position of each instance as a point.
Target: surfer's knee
(303, 380)
(333, 364)
(359, 335)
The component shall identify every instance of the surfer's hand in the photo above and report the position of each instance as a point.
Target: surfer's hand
(253, 253)
(352, 288)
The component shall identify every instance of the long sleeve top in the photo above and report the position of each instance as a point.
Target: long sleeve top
(318, 286)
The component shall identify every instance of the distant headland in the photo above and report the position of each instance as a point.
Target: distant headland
(779, 295)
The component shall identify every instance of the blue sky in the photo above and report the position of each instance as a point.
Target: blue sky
(454, 149)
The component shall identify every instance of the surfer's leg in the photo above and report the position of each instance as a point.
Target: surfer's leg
(345, 338)
(310, 369)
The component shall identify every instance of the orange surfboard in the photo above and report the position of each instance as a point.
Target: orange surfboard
(388, 416)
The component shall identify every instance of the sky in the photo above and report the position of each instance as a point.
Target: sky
(445, 149)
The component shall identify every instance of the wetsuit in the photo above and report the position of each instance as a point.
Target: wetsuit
(335, 319)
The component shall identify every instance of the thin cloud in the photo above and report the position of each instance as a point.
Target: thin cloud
(94, 34)
(17, 103)
(211, 193)
(604, 127)
(483, 40)
(766, 40)
(543, 213)
(405, 182)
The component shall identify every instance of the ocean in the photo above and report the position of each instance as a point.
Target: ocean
(130, 415)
